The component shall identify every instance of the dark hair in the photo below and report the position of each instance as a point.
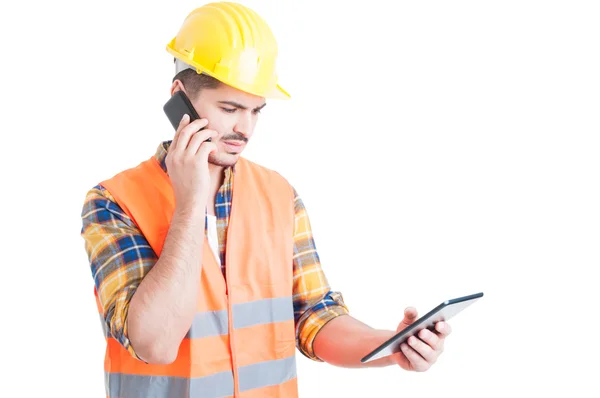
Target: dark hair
(194, 81)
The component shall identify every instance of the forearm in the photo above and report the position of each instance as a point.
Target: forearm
(345, 340)
(163, 307)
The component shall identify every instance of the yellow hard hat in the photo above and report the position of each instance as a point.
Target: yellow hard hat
(231, 43)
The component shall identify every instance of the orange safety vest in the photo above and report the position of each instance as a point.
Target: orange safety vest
(242, 340)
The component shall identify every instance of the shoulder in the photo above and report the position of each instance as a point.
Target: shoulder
(100, 207)
(97, 197)
(271, 178)
(267, 173)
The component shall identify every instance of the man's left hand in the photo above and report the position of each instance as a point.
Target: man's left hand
(423, 351)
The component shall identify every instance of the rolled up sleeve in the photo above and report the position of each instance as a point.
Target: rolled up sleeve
(119, 258)
(315, 304)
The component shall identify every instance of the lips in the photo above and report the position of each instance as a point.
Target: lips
(233, 143)
(234, 146)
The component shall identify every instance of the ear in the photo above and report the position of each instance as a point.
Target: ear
(177, 86)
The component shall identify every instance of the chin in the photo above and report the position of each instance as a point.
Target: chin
(223, 159)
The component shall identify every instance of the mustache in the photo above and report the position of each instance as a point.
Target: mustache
(234, 137)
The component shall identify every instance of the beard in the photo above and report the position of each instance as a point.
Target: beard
(223, 159)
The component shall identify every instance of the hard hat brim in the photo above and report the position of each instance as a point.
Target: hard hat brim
(276, 92)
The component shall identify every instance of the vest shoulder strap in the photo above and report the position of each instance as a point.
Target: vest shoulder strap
(145, 194)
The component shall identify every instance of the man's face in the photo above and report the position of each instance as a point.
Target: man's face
(233, 114)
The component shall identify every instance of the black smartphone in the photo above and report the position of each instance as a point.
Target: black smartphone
(178, 105)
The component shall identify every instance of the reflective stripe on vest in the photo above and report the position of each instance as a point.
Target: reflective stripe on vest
(220, 384)
(254, 306)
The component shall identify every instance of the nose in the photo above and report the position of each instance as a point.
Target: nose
(244, 125)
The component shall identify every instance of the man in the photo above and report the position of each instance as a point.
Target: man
(205, 270)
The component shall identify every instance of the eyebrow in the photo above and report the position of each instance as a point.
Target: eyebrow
(240, 106)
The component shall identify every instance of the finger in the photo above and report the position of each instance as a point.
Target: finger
(418, 363)
(182, 123)
(424, 350)
(197, 140)
(206, 148)
(186, 134)
(443, 329)
(435, 342)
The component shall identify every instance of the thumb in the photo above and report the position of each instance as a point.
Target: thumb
(410, 315)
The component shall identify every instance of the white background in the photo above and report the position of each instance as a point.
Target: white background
(442, 148)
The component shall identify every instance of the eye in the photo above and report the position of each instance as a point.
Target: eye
(229, 110)
(257, 111)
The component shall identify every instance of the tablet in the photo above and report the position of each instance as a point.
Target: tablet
(442, 312)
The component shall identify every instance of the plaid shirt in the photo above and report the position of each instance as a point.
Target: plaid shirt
(120, 257)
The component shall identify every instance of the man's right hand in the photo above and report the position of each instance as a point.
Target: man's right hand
(164, 304)
(187, 162)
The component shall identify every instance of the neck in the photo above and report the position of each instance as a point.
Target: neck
(217, 176)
